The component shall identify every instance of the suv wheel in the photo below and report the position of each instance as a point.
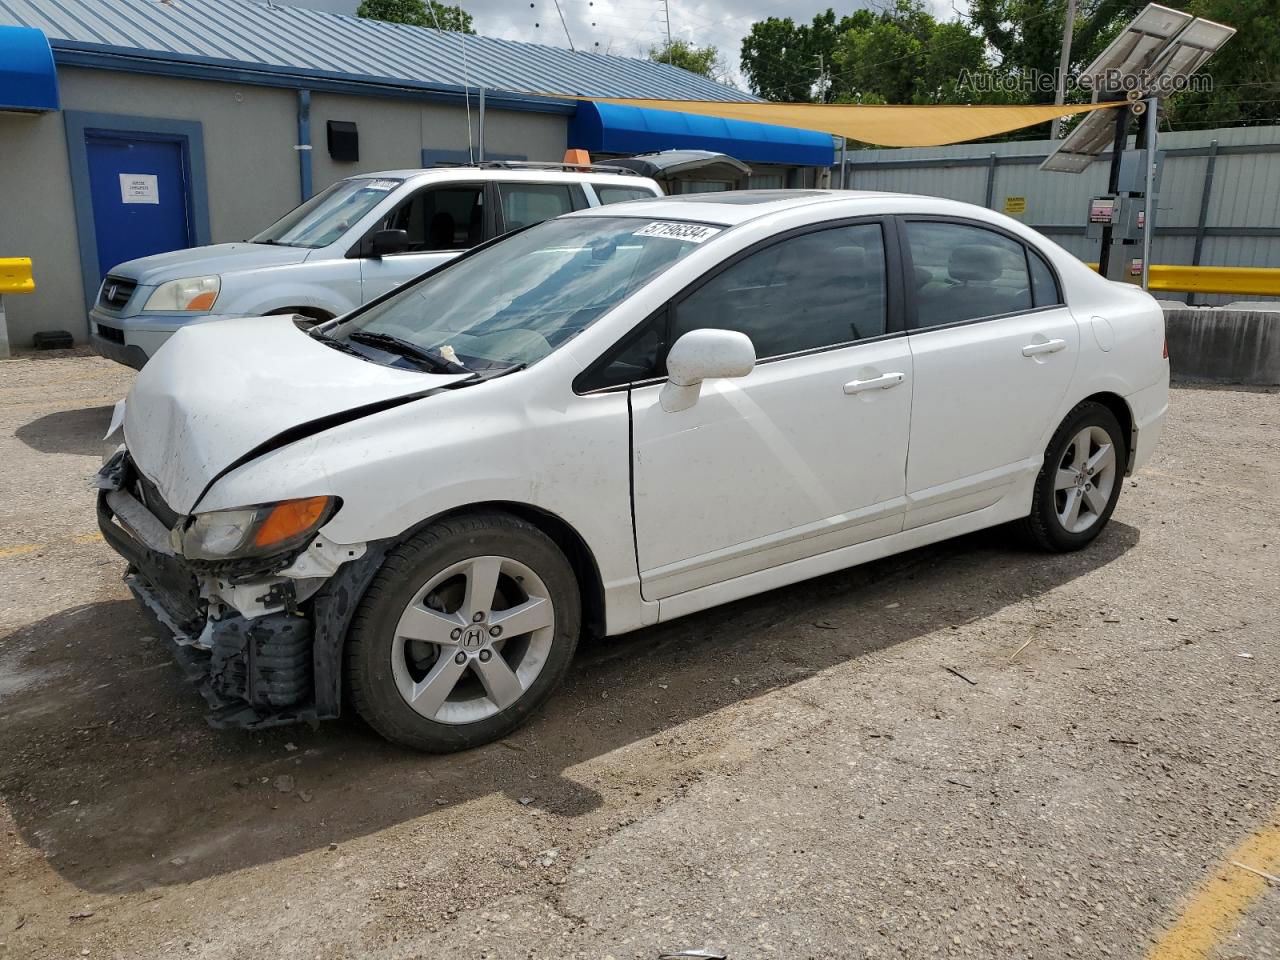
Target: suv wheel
(464, 632)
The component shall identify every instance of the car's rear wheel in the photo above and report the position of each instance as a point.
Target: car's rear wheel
(464, 632)
(1078, 485)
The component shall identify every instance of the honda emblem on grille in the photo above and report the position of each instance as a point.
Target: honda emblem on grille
(111, 292)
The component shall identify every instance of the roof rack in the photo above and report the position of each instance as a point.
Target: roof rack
(539, 165)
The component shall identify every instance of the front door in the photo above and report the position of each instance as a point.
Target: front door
(441, 222)
(994, 351)
(804, 455)
(138, 188)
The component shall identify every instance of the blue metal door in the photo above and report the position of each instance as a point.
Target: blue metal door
(138, 188)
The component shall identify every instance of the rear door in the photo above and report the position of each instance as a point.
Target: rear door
(994, 350)
(804, 455)
(442, 221)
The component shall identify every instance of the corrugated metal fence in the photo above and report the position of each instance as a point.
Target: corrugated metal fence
(1219, 200)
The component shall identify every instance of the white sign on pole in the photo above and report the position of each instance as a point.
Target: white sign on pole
(139, 188)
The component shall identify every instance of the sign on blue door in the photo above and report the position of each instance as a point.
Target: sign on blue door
(139, 192)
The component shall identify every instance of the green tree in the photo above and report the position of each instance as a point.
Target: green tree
(783, 60)
(904, 55)
(700, 60)
(1245, 73)
(417, 13)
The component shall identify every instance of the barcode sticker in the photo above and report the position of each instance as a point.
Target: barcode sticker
(688, 232)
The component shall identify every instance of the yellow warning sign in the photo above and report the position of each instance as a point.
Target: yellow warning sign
(1015, 205)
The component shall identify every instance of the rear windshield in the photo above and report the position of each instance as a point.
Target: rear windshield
(329, 214)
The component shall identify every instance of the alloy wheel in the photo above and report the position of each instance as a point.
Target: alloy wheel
(1085, 479)
(473, 639)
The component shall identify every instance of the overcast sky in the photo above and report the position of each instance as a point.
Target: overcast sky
(631, 27)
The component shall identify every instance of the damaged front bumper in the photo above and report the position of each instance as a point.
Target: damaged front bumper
(263, 647)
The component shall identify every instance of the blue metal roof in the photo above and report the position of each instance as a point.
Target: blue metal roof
(28, 80)
(219, 35)
(612, 128)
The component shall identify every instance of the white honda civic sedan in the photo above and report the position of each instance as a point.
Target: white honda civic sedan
(606, 421)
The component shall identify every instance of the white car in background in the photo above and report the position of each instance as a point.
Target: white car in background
(346, 246)
(606, 421)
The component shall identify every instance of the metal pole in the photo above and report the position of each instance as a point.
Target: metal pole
(1206, 190)
(1113, 183)
(844, 163)
(4, 333)
(1148, 197)
(1064, 64)
(666, 7)
(480, 136)
(568, 36)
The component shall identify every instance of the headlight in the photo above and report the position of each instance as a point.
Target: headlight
(191, 293)
(253, 531)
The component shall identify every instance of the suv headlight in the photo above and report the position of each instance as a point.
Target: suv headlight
(259, 531)
(190, 293)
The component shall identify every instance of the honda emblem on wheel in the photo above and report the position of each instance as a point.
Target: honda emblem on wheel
(473, 638)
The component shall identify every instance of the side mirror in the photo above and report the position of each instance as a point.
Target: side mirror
(704, 355)
(386, 242)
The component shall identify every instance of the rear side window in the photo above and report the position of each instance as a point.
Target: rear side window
(815, 290)
(964, 272)
(613, 194)
(526, 203)
(1043, 285)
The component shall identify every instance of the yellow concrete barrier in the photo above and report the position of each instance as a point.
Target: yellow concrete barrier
(1253, 281)
(15, 275)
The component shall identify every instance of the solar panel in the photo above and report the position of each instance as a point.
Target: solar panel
(1153, 55)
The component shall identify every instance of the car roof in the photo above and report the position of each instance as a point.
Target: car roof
(731, 207)
(476, 172)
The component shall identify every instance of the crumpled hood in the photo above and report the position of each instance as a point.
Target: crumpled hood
(216, 391)
(219, 258)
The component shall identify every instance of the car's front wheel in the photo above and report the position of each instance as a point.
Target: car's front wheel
(464, 632)
(1078, 485)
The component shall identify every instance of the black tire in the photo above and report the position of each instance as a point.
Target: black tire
(1042, 527)
(371, 685)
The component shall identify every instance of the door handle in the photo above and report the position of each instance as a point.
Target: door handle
(876, 383)
(1049, 346)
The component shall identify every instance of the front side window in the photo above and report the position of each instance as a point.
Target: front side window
(441, 218)
(516, 301)
(526, 203)
(329, 214)
(964, 272)
(815, 290)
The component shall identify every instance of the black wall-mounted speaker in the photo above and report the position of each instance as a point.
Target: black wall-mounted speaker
(344, 141)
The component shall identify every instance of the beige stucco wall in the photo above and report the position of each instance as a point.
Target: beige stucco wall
(251, 164)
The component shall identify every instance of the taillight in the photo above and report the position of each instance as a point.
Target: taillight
(1165, 353)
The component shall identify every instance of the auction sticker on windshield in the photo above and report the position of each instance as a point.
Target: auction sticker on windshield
(688, 232)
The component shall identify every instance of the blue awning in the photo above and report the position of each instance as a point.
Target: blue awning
(28, 80)
(610, 128)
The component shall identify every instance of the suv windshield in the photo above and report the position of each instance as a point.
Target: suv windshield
(329, 214)
(516, 301)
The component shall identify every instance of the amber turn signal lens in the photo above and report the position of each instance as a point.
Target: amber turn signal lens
(289, 519)
(202, 301)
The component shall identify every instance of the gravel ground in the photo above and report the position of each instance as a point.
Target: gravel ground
(965, 751)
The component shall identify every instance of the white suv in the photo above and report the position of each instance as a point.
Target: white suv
(344, 247)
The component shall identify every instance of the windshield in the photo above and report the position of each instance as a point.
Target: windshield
(329, 214)
(516, 301)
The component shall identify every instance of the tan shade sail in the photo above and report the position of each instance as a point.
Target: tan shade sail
(885, 126)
